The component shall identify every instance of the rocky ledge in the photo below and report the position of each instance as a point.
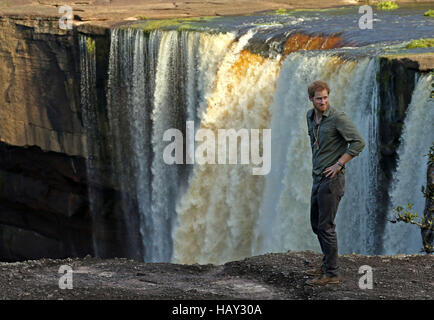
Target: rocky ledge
(279, 276)
(416, 61)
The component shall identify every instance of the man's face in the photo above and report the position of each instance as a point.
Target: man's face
(320, 100)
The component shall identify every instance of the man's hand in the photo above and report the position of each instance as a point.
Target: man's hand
(332, 171)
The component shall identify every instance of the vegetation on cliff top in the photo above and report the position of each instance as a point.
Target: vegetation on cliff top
(421, 43)
(179, 23)
(429, 13)
(387, 5)
(283, 11)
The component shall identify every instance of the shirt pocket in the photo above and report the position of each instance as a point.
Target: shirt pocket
(327, 132)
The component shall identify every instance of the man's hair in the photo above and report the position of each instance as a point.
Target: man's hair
(317, 85)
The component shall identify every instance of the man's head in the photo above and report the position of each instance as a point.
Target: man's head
(319, 95)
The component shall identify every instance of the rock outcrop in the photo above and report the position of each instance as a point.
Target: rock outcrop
(45, 209)
(39, 86)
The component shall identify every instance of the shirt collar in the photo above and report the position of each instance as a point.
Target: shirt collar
(325, 113)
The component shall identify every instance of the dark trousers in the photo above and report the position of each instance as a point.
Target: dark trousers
(325, 198)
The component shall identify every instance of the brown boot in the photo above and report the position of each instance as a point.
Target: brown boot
(323, 280)
(315, 272)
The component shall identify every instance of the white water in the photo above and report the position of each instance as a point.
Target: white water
(410, 175)
(284, 222)
(156, 82)
(88, 103)
(219, 213)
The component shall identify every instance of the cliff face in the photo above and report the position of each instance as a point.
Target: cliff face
(43, 204)
(45, 207)
(43, 193)
(428, 235)
(39, 86)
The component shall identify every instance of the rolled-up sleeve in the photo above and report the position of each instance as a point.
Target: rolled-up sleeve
(349, 132)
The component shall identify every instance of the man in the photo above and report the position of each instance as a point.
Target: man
(335, 141)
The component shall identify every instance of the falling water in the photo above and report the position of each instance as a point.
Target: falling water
(88, 103)
(284, 221)
(157, 81)
(218, 213)
(410, 175)
(129, 104)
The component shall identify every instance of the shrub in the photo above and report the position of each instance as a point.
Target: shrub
(387, 5)
(281, 11)
(421, 43)
(429, 13)
(90, 45)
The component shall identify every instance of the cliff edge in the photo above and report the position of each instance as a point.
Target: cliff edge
(278, 276)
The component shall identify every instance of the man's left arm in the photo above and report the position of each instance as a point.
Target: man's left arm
(352, 136)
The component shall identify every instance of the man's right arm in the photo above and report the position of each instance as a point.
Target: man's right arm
(349, 132)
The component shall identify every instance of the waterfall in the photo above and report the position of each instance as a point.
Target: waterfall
(90, 123)
(410, 175)
(284, 220)
(193, 213)
(157, 81)
(169, 112)
(217, 214)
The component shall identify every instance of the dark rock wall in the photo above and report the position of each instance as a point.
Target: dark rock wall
(39, 87)
(428, 235)
(45, 208)
(396, 81)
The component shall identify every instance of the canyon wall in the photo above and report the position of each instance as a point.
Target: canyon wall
(44, 201)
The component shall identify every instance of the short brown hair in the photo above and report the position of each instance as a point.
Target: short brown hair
(317, 85)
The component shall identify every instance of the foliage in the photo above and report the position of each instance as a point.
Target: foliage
(387, 5)
(408, 216)
(421, 43)
(158, 24)
(429, 13)
(179, 23)
(188, 27)
(90, 45)
(281, 11)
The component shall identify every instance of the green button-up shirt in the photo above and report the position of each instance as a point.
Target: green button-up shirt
(336, 134)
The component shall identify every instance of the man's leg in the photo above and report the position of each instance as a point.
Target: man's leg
(329, 195)
(314, 214)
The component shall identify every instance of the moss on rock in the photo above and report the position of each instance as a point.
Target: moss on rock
(421, 43)
(175, 23)
(429, 13)
(387, 5)
(90, 46)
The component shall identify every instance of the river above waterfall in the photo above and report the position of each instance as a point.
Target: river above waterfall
(388, 26)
